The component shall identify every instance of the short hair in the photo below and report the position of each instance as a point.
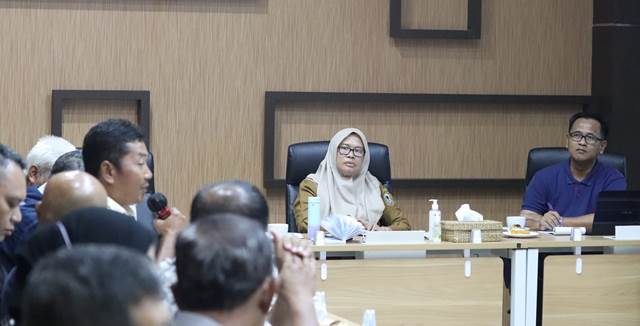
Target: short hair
(9, 155)
(71, 161)
(221, 260)
(107, 141)
(46, 151)
(80, 286)
(604, 128)
(235, 196)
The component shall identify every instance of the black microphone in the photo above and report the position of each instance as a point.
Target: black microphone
(158, 204)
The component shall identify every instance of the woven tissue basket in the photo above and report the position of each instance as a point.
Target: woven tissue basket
(456, 231)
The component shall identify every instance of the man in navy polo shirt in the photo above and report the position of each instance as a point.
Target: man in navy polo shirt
(565, 194)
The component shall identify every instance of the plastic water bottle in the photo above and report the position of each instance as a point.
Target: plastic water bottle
(313, 217)
(369, 318)
(320, 305)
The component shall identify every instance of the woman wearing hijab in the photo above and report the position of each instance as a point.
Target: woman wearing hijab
(85, 225)
(345, 186)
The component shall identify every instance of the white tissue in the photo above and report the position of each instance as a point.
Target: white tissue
(465, 213)
(342, 227)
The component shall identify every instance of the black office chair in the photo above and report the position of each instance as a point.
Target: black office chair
(542, 157)
(152, 185)
(304, 158)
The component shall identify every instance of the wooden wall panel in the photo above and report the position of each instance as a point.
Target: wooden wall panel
(434, 14)
(207, 65)
(434, 140)
(79, 116)
(527, 47)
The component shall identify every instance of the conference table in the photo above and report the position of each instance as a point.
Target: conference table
(463, 283)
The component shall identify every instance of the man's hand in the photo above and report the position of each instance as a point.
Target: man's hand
(297, 277)
(550, 220)
(287, 245)
(173, 224)
(169, 228)
(296, 284)
(372, 227)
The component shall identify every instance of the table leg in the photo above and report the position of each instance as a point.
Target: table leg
(532, 286)
(518, 286)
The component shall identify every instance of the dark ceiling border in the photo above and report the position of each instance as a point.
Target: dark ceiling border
(273, 99)
(142, 98)
(474, 21)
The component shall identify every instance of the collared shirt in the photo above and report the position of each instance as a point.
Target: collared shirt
(185, 318)
(127, 210)
(555, 188)
(42, 188)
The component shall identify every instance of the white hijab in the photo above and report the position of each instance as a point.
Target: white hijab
(358, 196)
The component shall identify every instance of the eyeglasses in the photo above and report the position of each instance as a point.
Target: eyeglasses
(590, 139)
(344, 150)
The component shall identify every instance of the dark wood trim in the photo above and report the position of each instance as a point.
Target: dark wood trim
(474, 22)
(273, 99)
(434, 183)
(142, 98)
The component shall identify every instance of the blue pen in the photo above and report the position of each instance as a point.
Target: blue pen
(550, 207)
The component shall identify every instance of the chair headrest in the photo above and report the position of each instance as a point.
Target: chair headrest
(304, 158)
(542, 157)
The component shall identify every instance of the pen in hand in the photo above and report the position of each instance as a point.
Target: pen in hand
(550, 208)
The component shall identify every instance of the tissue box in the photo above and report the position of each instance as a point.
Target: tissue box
(460, 231)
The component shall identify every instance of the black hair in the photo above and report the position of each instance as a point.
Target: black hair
(604, 128)
(107, 141)
(82, 286)
(71, 161)
(9, 155)
(235, 196)
(221, 260)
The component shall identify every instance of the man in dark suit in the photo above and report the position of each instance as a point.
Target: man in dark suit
(39, 162)
(95, 293)
(224, 266)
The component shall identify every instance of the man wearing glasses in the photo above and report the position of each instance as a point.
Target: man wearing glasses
(565, 194)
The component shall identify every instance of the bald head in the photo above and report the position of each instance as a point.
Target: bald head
(68, 191)
(234, 197)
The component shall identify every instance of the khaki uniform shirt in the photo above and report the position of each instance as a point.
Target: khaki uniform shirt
(391, 216)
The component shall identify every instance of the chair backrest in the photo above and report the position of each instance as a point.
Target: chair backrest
(542, 157)
(304, 158)
(152, 186)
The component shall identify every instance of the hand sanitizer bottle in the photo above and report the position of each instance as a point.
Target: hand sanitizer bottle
(434, 222)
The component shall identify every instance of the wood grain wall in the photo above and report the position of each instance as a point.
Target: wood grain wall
(207, 64)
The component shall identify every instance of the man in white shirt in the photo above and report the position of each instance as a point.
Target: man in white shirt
(115, 153)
